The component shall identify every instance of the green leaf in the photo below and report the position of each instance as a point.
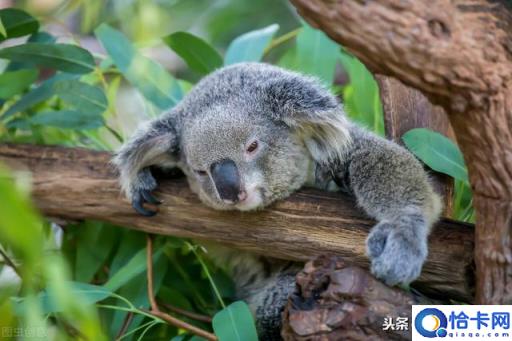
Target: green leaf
(80, 95)
(3, 31)
(437, 151)
(17, 23)
(235, 323)
(361, 96)
(135, 266)
(250, 46)
(316, 54)
(198, 54)
(152, 80)
(20, 225)
(14, 82)
(87, 293)
(38, 37)
(37, 95)
(63, 57)
(95, 240)
(68, 119)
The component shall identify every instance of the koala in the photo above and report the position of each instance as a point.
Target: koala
(250, 134)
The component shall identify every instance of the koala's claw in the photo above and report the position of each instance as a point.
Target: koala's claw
(141, 197)
(149, 198)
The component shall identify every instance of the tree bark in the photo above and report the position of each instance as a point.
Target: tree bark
(77, 184)
(459, 54)
(335, 301)
(406, 108)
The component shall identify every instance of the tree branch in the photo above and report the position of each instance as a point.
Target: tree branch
(80, 184)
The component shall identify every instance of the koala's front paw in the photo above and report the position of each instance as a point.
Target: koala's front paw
(140, 192)
(397, 253)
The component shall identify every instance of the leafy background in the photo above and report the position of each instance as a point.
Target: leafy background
(85, 73)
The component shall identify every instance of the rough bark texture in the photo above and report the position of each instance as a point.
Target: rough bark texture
(335, 301)
(459, 54)
(78, 184)
(406, 108)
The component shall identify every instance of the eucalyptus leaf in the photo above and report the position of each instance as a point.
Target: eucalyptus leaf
(87, 293)
(250, 46)
(37, 95)
(152, 80)
(135, 266)
(63, 57)
(316, 54)
(361, 96)
(199, 55)
(38, 37)
(94, 241)
(437, 151)
(14, 82)
(68, 119)
(80, 95)
(17, 23)
(3, 31)
(42, 37)
(235, 323)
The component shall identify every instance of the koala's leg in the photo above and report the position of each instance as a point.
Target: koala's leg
(268, 304)
(392, 187)
(154, 144)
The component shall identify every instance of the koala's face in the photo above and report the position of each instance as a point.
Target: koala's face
(244, 163)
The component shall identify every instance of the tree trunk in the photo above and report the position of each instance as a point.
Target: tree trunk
(406, 108)
(78, 184)
(459, 54)
(335, 301)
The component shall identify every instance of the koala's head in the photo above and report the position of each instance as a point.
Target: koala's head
(241, 162)
(254, 133)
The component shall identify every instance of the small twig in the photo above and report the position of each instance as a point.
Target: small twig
(126, 323)
(155, 311)
(149, 261)
(282, 39)
(182, 324)
(186, 313)
(9, 262)
(115, 133)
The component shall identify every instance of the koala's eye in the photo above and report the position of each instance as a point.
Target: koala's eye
(201, 172)
(252, 147)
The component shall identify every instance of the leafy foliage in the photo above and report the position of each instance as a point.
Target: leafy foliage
(16, 23)
(198, 54)
(234, 323)
(56, 93)
(442, 155)
(63, 57)
(250, 46)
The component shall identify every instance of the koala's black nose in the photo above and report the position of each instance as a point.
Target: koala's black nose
(227, 179)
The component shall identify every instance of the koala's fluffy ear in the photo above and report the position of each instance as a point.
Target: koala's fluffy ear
(313, 112)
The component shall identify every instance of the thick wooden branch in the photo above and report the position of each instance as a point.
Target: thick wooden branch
(80, 184)
(334, 300)
(459, 54)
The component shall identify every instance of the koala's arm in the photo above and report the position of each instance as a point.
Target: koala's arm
(392, 187)
(153, 144)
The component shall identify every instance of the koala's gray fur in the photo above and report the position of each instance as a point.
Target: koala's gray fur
(303, 138)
